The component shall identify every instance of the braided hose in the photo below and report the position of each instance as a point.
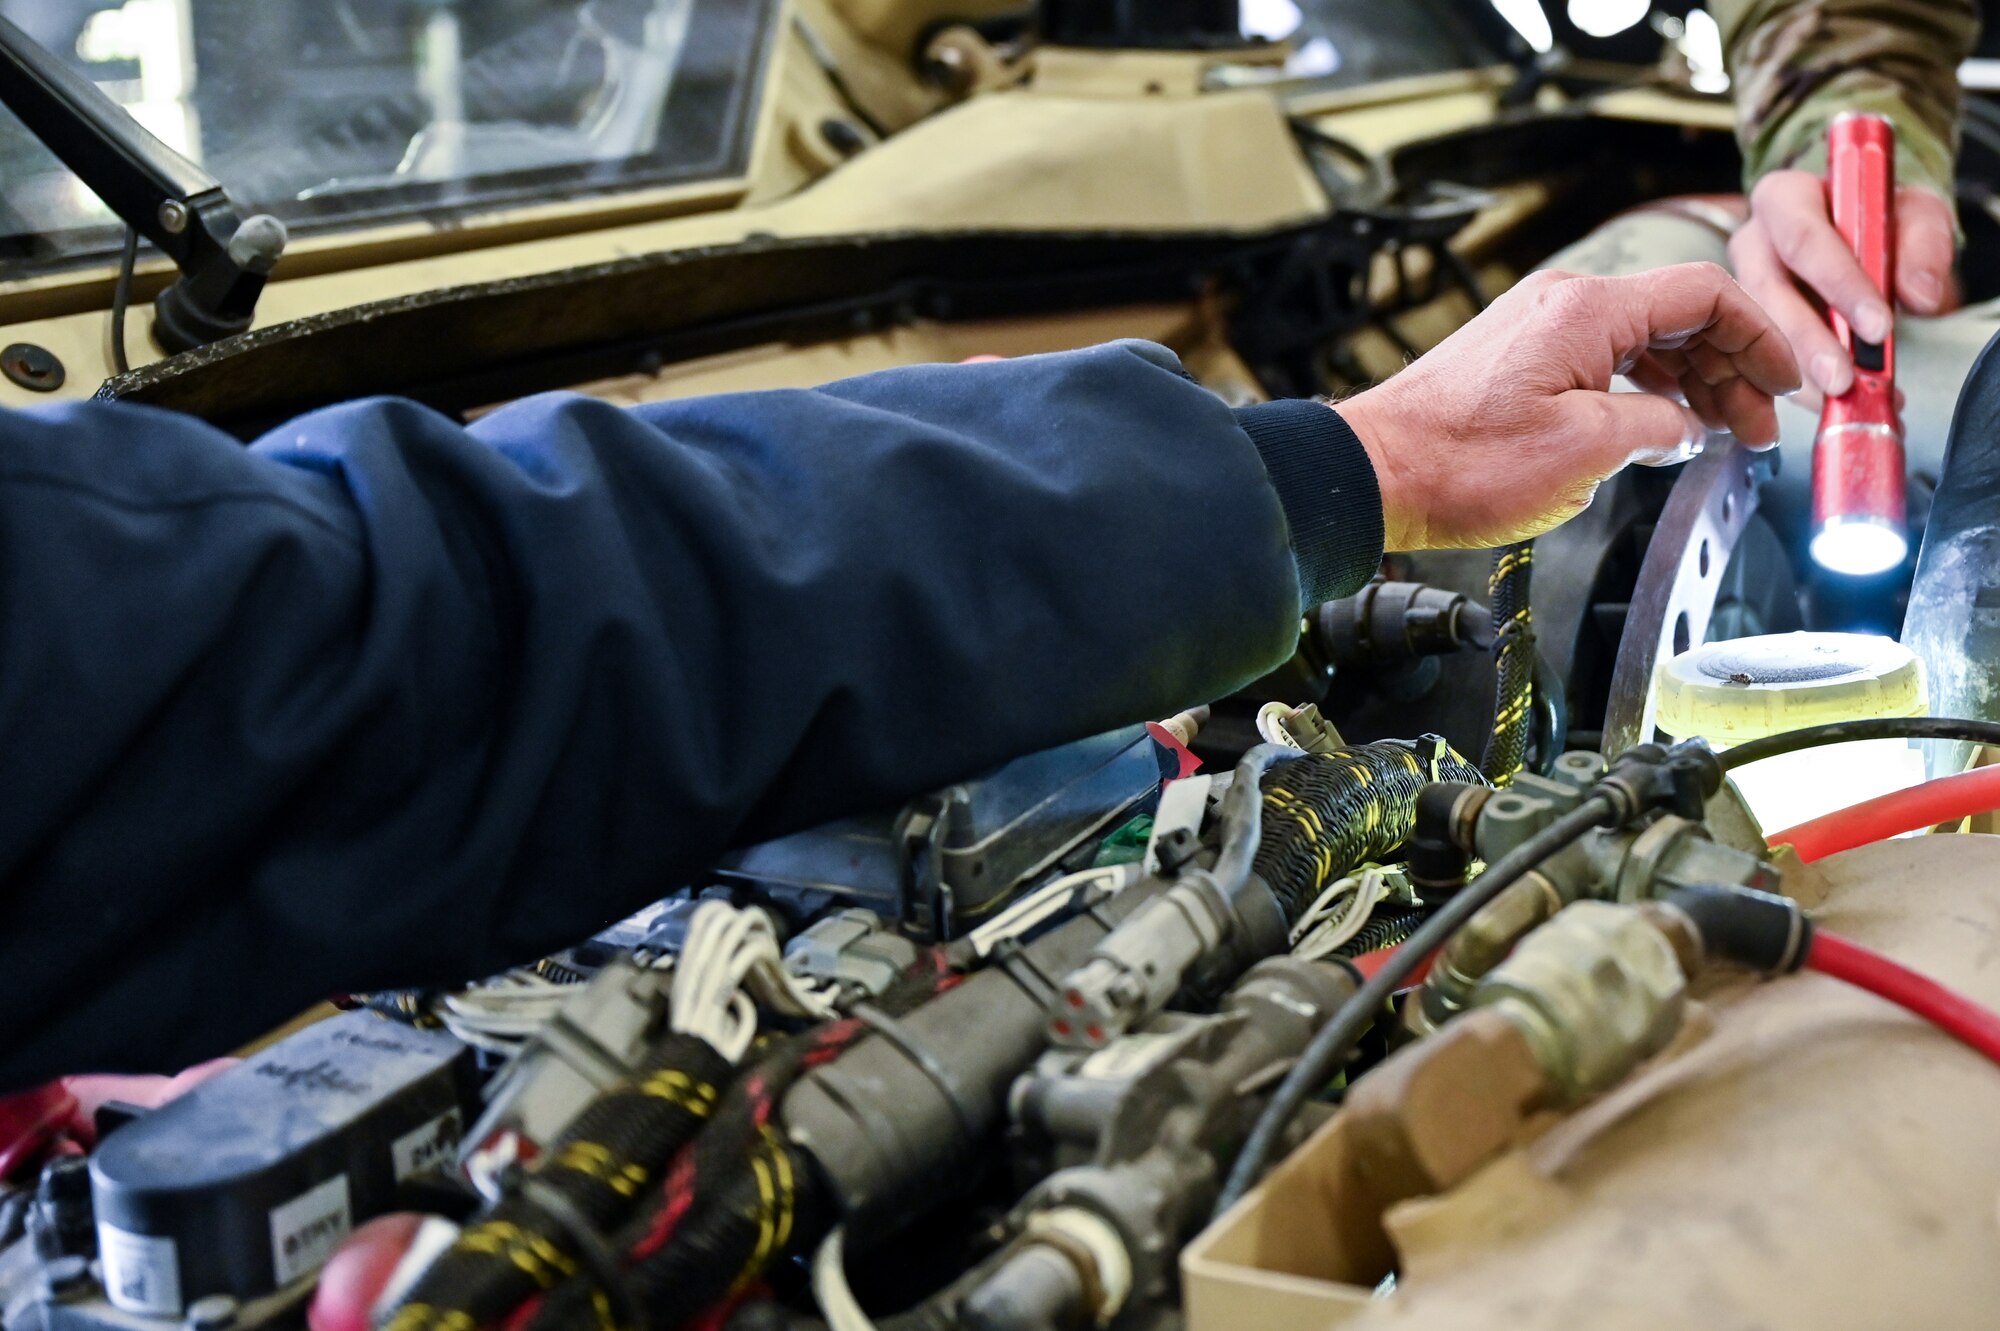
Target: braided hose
(1513, 662)
(1326, 814)
(616, 1149)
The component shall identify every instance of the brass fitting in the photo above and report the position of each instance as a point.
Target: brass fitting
(1481, 944)
(1595, 992)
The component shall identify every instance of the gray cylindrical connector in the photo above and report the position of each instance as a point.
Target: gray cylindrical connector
(1136, 969)
(1038, 1288)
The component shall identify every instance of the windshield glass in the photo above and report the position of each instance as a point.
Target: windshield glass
(329, 113)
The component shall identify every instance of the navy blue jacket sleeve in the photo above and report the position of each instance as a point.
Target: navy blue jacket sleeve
(384, 700)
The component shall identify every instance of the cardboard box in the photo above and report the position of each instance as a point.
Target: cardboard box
(1290, 1256)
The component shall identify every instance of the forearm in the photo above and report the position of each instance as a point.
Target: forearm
(385, 702)
(1796, 64)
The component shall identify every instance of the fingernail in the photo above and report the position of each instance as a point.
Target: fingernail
(1876, 323)
(1830, 371)
(1927, 289)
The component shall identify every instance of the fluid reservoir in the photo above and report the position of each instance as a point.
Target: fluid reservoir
(1731, 692)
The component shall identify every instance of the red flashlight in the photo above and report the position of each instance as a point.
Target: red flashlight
(1857, 481)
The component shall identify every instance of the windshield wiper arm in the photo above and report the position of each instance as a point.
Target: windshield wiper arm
(223, 257)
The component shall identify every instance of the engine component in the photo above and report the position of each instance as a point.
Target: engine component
(245, 1184)
(1137, 1128)
(1319, 818)
(1642, 781)
(959, 853)
(853, 951)
(1630, 863)
(1760, 1127)
(1390, 634)
(1731, 692)
(596, 1040)
(1483, 943)
(586, 1184)
(898, 1121)
(1595, 991)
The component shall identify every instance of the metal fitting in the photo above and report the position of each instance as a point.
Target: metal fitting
(1666, 854)
(1482, 944)
(1595, 992)
(1579, 768)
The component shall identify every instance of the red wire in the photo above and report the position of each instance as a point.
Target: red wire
(1942, 800)
(1949, 1011)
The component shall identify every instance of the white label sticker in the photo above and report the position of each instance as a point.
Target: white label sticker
(428, 1146)
(142, 1272)
(306, 1229)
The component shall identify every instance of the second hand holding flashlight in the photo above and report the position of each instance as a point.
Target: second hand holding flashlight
(1859, 524)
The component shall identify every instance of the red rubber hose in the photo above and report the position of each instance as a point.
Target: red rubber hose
(1943, 800)
(1951, 1012)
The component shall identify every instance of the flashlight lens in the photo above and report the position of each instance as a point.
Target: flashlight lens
(1858, 547)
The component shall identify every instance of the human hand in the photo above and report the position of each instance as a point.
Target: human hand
(1507, 427)
(1790, 242)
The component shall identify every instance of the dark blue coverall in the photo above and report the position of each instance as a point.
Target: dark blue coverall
(385, 701)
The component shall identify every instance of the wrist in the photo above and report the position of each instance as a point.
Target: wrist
(1403, 525)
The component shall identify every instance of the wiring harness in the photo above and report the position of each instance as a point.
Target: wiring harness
(1514, 662)
(1326, 815)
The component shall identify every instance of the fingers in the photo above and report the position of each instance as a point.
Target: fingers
(1926, 244)
(1637, 427)
(1791, 207)
(1697, 311)
(1764, 275)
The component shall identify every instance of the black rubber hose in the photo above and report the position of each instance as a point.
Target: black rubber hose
(1240, 820)
(1844, 732)
(1551, 715)
(1323, 1057)
(1513, 661)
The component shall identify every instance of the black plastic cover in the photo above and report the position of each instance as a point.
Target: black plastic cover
(248, 1182)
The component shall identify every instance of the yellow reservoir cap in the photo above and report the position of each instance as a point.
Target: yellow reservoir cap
(1747, 688)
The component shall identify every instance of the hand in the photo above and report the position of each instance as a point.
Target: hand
(1790, 242)
(1508, 426)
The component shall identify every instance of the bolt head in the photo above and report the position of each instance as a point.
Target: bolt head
(174, 216)
(32, 367)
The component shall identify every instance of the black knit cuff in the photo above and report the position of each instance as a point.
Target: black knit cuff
(1327, 486)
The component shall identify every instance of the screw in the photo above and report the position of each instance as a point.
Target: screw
(174, 216)
(32, 367)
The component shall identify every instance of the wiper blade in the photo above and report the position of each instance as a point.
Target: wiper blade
(224, 258)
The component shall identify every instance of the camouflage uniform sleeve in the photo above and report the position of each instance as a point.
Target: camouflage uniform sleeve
(1796, 64)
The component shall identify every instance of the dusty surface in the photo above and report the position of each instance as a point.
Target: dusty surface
(1817, 1160)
